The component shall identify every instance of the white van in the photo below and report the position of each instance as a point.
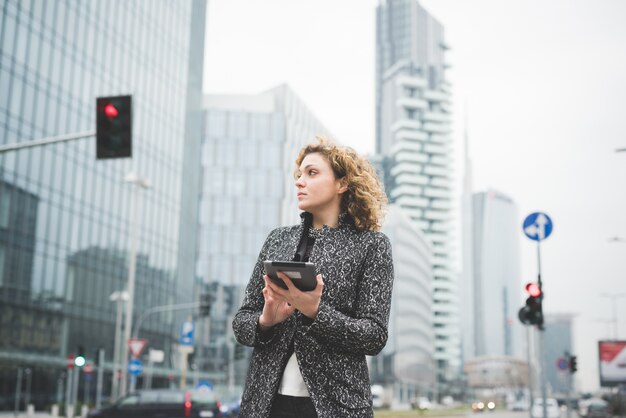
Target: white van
(378, 393)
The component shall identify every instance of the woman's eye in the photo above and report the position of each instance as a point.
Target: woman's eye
(312, 172)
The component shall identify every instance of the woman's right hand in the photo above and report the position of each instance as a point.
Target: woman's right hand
(275, 311)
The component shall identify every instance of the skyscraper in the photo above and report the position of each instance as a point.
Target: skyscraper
(495, 279)
(413, 134)
(72, 234)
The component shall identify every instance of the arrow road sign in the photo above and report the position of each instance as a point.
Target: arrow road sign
(135, 367)
(537, 226)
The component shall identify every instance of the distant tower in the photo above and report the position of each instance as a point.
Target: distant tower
(413, 134)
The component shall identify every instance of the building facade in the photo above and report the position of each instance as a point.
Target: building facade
(558, 343)
(406, 365)
(249, 147)
(495, 329)
(413, 134)
(68, 230)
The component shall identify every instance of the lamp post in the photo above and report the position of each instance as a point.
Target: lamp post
(118, 297)
(138, 181)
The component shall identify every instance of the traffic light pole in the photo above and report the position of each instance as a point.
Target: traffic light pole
(163, 308)
(540, 330)
(46, 141)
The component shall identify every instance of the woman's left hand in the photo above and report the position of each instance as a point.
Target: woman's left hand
(306, 302)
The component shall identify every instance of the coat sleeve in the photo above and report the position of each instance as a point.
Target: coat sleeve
(366, 331)
(245, 323)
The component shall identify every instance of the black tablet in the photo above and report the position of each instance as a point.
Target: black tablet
(302, 274)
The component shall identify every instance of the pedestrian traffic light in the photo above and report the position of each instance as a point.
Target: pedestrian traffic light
(573, 364)
(532, 313)
(114, 127)
(80, 360)
(205, 304)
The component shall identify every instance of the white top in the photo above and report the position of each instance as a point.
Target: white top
(292, 383)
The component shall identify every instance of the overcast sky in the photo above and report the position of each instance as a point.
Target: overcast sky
(544, 87)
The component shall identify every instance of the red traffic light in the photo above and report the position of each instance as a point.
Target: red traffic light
(533, 290)
(110, 111)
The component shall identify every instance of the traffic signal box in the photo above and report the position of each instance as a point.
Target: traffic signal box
(114, 127)
(205, 304)
(532, 313)
(573, 364)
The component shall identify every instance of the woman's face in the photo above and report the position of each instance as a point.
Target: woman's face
(318, 190)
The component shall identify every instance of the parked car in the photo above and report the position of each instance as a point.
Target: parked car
(519, 405)
(481, 406)
(161, 403)
(552, 408)
(422, 403)
(598, 409)
(378, 393)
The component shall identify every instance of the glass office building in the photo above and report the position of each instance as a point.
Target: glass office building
(249, 148)
(65, 217)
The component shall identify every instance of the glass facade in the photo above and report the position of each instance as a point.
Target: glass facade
(65, 217)
(407, 363)
(248, 156)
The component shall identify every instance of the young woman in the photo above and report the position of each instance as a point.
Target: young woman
(310, 347)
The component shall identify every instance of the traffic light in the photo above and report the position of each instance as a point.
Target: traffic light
(205, 304)
(532, 313)
(114, 127)
(80, 360)
(573, 364)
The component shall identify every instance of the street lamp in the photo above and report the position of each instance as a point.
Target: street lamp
(138, 181)
(119, 297)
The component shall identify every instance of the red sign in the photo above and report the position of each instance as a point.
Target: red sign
(136, 346)
(70, 361)
(612, 362)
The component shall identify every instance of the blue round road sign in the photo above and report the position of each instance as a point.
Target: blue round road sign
(562, 364)
(135, 367)
(537, 226)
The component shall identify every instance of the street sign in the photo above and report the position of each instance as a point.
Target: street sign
(537, 226)
(186, 333)
(562, 363)
(204, 385)
(135, 367)
(136, 346)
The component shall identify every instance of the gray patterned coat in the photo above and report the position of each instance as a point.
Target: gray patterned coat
(351, 323)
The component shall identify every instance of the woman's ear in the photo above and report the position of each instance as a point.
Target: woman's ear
(343, 185)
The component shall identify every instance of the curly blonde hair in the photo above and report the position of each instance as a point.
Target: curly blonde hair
(365, 200)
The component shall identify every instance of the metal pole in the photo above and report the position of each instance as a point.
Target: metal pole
(18, 391)
(530, 367)
(68, 392)
(75, 389)
(541, 338)
(131, 289)
(45, 141)
(100, 377)
(116, 350)
(569, 386)
(29, 379)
